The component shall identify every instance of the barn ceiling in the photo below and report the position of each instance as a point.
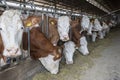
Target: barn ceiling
(112, 4)
(79, 5)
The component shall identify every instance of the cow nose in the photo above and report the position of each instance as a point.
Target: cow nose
(13, 50)
(66, 38)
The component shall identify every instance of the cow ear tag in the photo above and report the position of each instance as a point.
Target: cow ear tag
(29, 24)
(52, 23)
(57, 56)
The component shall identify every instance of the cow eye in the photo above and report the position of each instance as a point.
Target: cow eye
(0, 28)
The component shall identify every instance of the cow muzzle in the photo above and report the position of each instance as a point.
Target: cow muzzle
(12, 52)
(69, 62)
(65, 38)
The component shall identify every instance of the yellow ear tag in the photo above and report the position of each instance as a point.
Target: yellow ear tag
(52, 23)
(57, 55)
(29, 24)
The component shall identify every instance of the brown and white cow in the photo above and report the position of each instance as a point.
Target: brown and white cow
(95, 29)
(79, 37)
(41, 48)
(78, 40)
(11, 29)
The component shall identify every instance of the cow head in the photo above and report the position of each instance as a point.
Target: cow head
(85, 23)
(90, 26)
(51, 62)
(97, 25)
(63, 27)
(11, 29)
(32, 21)
(83, 48)
(69, 49)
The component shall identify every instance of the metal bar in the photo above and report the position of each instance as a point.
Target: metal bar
(111, 13)
(7, 7)
(42, 26)
(28, 8)
(47, 25)
(28, 30)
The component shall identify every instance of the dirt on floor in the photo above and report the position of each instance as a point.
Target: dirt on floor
(82, 64)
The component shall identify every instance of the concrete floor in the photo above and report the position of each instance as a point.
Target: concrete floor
(106, 67)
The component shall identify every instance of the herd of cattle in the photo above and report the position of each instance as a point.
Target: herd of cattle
(50, 38)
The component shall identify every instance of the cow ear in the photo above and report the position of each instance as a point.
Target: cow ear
(58, 53)
(57, 56)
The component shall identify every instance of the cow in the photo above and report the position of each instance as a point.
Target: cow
(42, 49)
(77, 41)
(79, 37)
(95, 28)
(11, 30)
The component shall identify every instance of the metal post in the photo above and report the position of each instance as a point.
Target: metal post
(7, 7)
(47, 26)
(28, 31)
(42, 24)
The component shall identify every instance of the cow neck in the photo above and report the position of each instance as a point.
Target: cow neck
(37, 30)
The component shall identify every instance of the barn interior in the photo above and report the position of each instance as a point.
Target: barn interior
(103, 61)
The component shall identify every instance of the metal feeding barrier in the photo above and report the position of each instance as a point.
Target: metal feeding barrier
(33, 7)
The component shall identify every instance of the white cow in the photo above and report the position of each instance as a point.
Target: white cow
(63, 27)
(69, 49)
(11, 31)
